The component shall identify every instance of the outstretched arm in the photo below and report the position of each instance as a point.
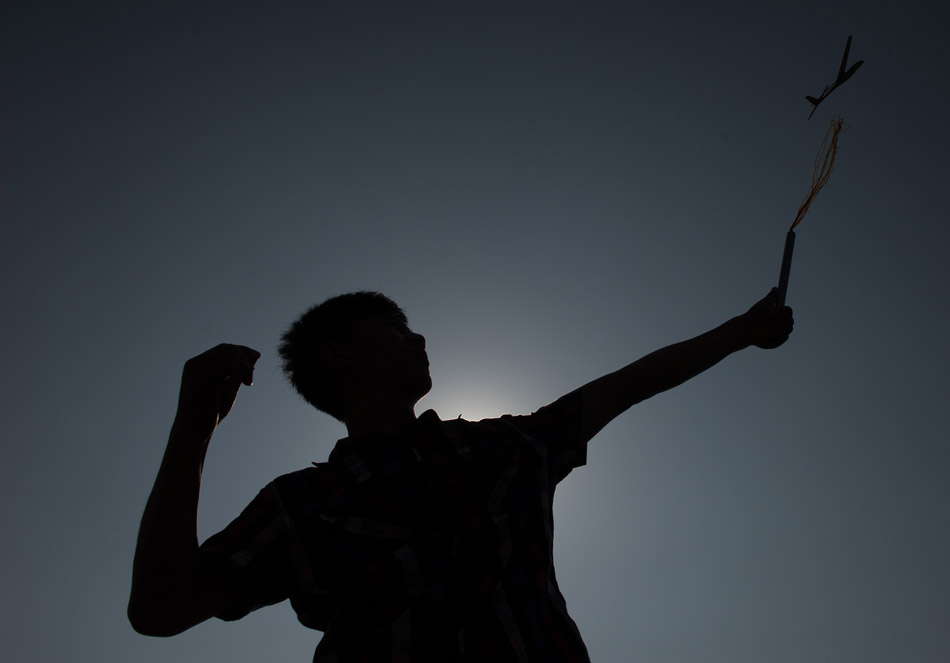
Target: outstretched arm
(765, 325)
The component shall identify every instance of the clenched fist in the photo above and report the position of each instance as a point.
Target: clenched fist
(766, 325)
(210, 382)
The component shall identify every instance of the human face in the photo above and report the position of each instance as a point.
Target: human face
(390, 357)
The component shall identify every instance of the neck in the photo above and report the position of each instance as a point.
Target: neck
(368, 418)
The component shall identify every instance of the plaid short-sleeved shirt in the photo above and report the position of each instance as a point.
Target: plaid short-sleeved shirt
(431, 544)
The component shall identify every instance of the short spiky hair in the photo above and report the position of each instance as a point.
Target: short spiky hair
(331, 321)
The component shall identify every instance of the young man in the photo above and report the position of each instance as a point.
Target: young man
(419, 539)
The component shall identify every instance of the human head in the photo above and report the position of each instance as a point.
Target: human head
(351, 342)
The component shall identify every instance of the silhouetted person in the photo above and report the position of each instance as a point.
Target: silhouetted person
(419, 539)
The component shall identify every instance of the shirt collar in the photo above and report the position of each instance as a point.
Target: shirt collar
(423, 422)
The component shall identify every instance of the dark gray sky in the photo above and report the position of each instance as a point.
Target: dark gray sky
(550, 191)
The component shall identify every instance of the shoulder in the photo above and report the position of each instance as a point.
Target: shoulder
(500, 426)
(306, 487)
(498, 434)
(303, 475)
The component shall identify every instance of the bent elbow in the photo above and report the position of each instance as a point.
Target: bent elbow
(149, 623)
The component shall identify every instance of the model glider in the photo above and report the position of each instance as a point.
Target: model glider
(843, 75)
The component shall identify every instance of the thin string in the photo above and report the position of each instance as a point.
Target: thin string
(824, 163)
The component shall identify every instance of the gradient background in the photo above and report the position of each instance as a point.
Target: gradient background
(550, 191)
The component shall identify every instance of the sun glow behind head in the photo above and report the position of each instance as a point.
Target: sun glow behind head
(475, 399)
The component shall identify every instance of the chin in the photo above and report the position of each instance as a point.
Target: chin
(425, 387)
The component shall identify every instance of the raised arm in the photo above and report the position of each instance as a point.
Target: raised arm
(168, 596)
(164, 573)
(765, 325)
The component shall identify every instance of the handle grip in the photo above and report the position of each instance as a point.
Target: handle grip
(786, 267)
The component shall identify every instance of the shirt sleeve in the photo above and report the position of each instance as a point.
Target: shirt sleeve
(557, 428)
(250, 558)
